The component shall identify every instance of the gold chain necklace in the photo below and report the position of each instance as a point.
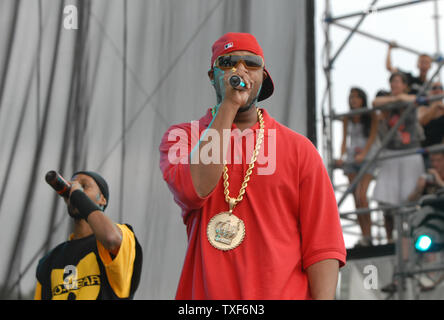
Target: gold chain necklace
(225, 231)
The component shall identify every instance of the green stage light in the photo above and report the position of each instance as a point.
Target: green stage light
(423, 243)
(427, 224)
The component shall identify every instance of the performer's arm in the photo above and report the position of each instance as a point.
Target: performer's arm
(427, 114)
(323, 279)
(380, 101)
(388, 61)
(206, 176)
(322, 241)
(106, 231)
(403, 97)
(103, 227)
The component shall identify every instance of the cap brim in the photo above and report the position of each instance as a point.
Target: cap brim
(267, 88)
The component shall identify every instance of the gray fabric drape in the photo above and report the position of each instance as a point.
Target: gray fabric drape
(100, 98)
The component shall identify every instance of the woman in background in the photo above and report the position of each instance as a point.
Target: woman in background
(358, 145)
(397, 176)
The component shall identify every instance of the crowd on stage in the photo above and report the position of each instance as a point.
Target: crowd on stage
(414, 101)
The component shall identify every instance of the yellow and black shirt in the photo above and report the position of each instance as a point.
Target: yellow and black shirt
(84, 270)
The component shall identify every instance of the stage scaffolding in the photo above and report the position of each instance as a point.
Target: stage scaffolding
(404, 269)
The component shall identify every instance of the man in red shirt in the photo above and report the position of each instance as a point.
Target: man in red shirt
(261, 215)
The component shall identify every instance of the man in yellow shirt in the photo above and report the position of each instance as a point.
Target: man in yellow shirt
(101, 260)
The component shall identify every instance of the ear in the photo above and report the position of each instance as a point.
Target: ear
(101, 199)
(211, 74)
(265, 75)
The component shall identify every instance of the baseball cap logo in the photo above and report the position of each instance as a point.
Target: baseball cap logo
(229, 45)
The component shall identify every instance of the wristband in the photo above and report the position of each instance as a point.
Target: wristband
(83, 203)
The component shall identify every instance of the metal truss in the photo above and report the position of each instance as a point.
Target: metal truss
(329, 116)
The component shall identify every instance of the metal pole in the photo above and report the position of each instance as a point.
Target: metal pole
(423, 270)
(373, 37)
(353, 225)
(394, 6)
(389, 106)
(408, 152)
(328, 76)
(380, 208)
(353, 31)
(327, 69)
(352, 233)
(398, 249)
(437, 19)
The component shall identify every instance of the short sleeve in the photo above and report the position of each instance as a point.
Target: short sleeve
(38, 291)
(175, 149)
(125, 267)
(321, 232)
(43, 285)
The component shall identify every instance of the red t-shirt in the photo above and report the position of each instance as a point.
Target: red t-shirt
(289, 211)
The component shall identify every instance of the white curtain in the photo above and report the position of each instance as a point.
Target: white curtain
(100, 97)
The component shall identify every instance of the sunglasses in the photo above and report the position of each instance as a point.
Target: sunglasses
(437, 88)
(227, 62)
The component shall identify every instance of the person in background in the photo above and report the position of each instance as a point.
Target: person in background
(431, 182)
(397, 176)
(431, 118)
(428, 183)
(414, 83)
(358, 145)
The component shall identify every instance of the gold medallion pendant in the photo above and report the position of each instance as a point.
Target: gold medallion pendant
(225, 231)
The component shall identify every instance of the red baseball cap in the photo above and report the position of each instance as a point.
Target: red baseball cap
(233, 41)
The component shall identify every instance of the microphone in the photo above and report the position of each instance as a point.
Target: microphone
(58, 183)
(237, 82)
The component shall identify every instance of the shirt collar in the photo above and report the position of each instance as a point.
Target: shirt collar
(268, 120)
